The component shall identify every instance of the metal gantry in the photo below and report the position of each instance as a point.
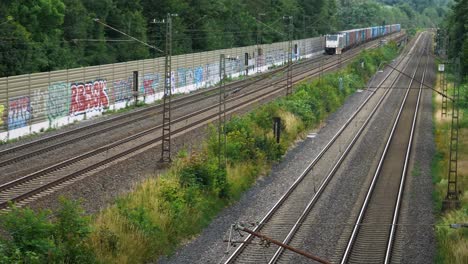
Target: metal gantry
(452, 199)
(166, 125)
(259, 41)
(222, 113)
(289, 82)
(442, 52)
(443, 84)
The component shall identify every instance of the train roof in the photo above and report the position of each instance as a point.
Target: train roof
(356, 29)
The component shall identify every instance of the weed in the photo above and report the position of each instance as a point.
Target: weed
(452, 244)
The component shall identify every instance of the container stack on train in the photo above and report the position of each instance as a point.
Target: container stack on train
(354, 37)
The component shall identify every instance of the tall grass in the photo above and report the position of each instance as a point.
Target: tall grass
(452, 244)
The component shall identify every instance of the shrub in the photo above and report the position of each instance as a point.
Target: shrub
(35, 238)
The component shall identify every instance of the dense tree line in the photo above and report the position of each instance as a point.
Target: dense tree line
(43, 35)
(456, 26)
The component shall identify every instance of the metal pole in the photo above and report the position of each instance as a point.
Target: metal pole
(452, 199)
(166, 129)
(289, 83)
(259, 40)
(31, 110)
(7, 103)
(222, 114)
(443, 83)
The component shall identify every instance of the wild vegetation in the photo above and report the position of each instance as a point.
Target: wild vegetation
(33, 237)
(40, 35)
(453, 243)
(165, 210)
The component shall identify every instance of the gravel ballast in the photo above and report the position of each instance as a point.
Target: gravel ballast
(256, 202)
(209, 247)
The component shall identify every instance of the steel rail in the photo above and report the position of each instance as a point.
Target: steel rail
(66, 163)
(301, 177)
(207, 91)
(139, 111)
(377, 172)
(403, 176)
(335, 167)
(28, 178)
(120, 124)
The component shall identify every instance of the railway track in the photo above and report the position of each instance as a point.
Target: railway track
(287, 215)
(31, 149)
(121, 120)
(24, 151)
(372, 237)
(41, 182)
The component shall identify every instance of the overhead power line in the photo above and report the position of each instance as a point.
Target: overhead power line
(125, 34)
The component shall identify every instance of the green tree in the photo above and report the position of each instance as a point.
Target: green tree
(457, 26)
(43, 20)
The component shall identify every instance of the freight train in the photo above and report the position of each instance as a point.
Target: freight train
(343, 40)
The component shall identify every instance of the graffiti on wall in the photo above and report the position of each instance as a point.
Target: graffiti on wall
(150, 84)
(181, 77)
(58, 101)
(275, 56)
(19, 112)
(88, 97)
(211, 73)
(189, 76)
(260, 60)
(38, 103)
(2, 110)
(198, 76)
(233, 66)
(123, 90)
(173, 81)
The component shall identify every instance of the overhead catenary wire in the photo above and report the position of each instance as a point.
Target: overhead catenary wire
(125, 34)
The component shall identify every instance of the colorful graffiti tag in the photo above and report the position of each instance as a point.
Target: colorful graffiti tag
(188, 76)
(181, 77)
(58, 101)
(19, 112)
(150, 84)
(233, 66)
(275, 56)
(123, 90)
(211, 73)
(88, 97)
(2, 110)
(173, 83)
(198, 76)
(38, 104)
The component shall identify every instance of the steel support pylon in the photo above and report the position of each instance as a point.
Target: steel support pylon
(443, 84)
(452, 198)
(289, 81)
(166, 126)
(222, 113)
(259, 44)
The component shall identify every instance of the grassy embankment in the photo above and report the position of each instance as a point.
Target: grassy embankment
(166, 210)
(452, 243)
